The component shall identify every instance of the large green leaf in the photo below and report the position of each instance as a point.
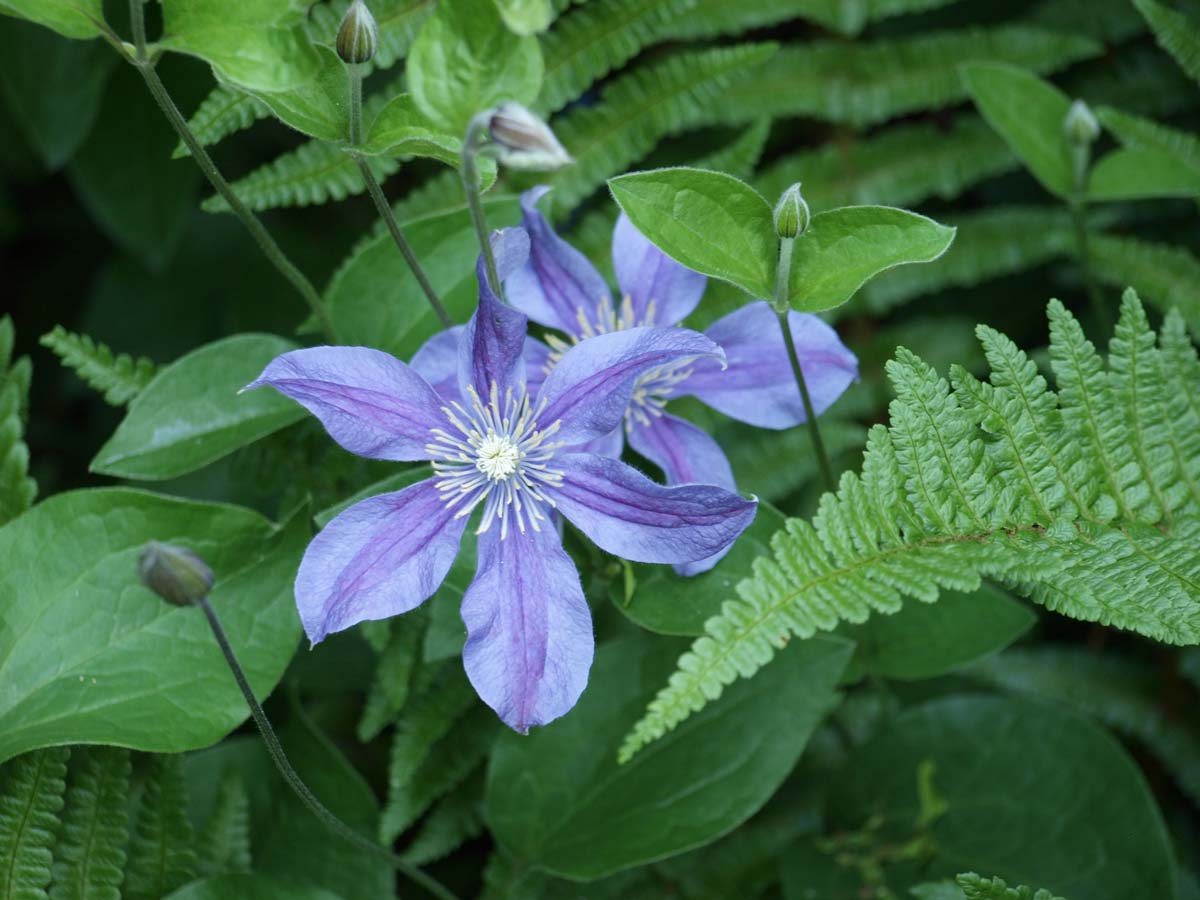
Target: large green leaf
(844, 248)
(526, 16)
(401, 129)
(257, 44)
(191, 414)
(89, 655)
(70, 18)
(1028, 113)
(558, 800)
(1034, 794)
(319, 106)
(465, 61)
(711, 222)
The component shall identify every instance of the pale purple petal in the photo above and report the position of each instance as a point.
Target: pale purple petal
(369, 402)
(687, 455)
(758, 386)
(611, 445)
(558, 282)
(381, 557)
(490, 349)
(645, 274)
(437, 362)
(630, 516)
(590, 388)
(529, 631)
(537, 365)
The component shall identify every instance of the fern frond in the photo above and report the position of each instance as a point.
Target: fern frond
(715, 17)
(1111, 21)
(1121, 82)
(224, 111)
(1167, 276)
(118, 377)
(901, 166)
(1134, 131)
(398, 21)
(1181, 369)
(976, 887)
(642, 107)
(162, 853)
(456, 819)
(90, 850)
(740, 156)
(31, 798)
(598, 38)
(867, 83)
(17, 489)
(1175, 32)
(1074, 498)
(393, 674)
(224, 844)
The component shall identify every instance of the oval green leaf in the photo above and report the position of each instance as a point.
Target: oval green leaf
(708, 221)
(844, 248)
(79, 19)
(90, 656)
(191, 414)
(1136, 173)
(558, 800)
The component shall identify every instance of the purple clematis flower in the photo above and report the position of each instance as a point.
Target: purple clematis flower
(511, 450)
(559, 288)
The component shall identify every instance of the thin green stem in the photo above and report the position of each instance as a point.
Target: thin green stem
(137, 22)
(470, 180)
(783, 276)
(1100, 312)
(296, 783)
(354, 74)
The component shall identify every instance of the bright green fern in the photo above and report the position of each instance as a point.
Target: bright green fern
(1175, 32)
(223, 112)
(17, 489)
(224, 843)
(31, 796)
(89, 855)
(976, 887)
(118, 377)
(1078, 499)
(162, 853)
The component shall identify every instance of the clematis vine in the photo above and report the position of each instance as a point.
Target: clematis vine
(559, 288)
(512, 450)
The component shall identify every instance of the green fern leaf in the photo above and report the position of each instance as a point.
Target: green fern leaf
(1110, 21)
(90, 852)
(740, 156)
(393, 674)
(17, 489)
(456, 819)
(598, 38)
(1181, 370)
(118, 377)
(31, 797)
(162, 852)
(864, 84)
(1077, 499)
(640, 108)
(975, 887)
(224, 844)
(901, 166)
(1168, 277)
(715, 17)
(1133, 131)
(1175, 32)
(224, 111)
(398, 21)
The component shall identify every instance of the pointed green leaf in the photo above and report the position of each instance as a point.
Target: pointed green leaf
(70, 18)
(401, 129)
(1135, 173)
(318, 106)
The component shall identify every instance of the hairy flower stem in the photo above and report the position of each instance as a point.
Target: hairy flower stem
(470, 180)
(279, 757)
(783, 276)
(381, 204)
(261, 236)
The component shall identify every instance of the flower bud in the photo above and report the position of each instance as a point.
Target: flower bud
(791, 213)
(521, 140)
(358, 36)
(176, 574)
(1080, 125)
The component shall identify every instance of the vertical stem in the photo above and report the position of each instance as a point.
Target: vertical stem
(295, 782)
(470, 179)
(1100, 311)
(137, 22)
(355, 76)
(783, 276)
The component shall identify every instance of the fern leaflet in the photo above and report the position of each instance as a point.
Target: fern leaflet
(224, 111)
(740, 156)
(714, 17)
(224, 845)
(976, 887)
(1133, 131)
(17, 489)
(1168, 276)
(457, 818)
(90, 851)
(1175, 32)
(31, 797)
(393, 674)
(1070, 497)
(162, 852)
(118, 377)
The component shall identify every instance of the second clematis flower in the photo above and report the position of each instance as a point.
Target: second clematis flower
(559, 288)
(511, 449)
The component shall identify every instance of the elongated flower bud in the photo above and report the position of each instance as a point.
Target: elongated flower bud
(358, 36)
(176, 574)
(791, 213)
(1080, 125)
(521, 140)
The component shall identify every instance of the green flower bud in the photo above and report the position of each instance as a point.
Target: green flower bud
(176, 574)
(1080, 125)
(521, 140)
(358, 36)
(791, 213)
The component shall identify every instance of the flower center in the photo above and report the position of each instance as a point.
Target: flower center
(493, 452)
(652, 390)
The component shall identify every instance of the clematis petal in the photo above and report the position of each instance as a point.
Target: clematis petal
(758, 387)
(558, 283)
(529, 631)
(383, 556)
(627, 514)
(369, 402)
(647, 275)
(611, 445)
(687, 455)
(537, 364)
(489, 351)
(437, 362)
(589, 389)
